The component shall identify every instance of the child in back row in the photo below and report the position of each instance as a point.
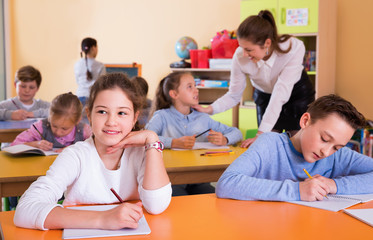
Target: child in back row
(143, 87)
(272, 168)
(115, 157)
(87, 69)
(24, 105)
(61, 129)
(177, 124)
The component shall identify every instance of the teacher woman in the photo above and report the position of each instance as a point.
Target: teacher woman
(274, 65)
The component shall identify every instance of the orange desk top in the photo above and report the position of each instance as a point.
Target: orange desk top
(207, 217)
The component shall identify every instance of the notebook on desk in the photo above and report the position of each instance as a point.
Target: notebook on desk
(202, 145)
(337, 202)
(364, 215)
(26, 149)
(142, 229)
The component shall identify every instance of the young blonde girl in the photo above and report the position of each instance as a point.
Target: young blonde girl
(61, 129)
(177, 124)
(114, 157)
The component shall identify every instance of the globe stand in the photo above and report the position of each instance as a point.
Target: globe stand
(181, 64)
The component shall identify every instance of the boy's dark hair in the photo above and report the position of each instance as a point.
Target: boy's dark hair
(141, 84)
(67, 105)
(258, 28)
(329, 104)
(28, 74)
(87, 44)
(114, 80)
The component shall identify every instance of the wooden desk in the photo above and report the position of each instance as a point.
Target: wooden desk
(189, 167)
(18, 172)
(10, 129)
(207, 217)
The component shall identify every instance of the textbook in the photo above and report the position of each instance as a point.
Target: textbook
(142, 229)
(26, 149)
(364, 215)
(337, 202)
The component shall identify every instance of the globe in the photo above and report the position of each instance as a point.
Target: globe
(183, 45)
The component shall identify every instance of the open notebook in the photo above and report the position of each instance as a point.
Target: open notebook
(142, 229)
(337, 202)
(26, 149)
(203, 145)
(364, 215)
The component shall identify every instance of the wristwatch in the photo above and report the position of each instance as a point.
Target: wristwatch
(159, 146)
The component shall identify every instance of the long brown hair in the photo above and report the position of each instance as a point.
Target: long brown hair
(116, 80)
(163, 99)
(258, 28)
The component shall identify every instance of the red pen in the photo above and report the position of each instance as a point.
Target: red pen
(116, 194)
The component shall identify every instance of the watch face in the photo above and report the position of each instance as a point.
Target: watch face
(161, 145)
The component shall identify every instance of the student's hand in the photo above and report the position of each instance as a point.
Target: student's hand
(126, 215)
(330, 182)
(186, 142)
(217, 138)
(312, 189)
(30, 114)
(246, 143)
(42, 144)
(19, 114)
(135, 138)
(207, 109)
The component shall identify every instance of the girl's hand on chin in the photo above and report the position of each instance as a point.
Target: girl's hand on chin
(135, 139)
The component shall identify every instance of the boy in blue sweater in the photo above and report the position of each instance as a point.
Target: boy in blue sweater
(272, 168)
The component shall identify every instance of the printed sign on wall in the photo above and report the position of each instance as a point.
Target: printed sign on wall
(297, 17)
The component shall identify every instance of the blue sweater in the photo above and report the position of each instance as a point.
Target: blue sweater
(271, 169)
(169, 123)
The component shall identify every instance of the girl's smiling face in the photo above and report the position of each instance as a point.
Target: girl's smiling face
(187, 92)
(112, 117)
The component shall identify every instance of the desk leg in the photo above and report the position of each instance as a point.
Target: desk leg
(1, 197)
(235, 115)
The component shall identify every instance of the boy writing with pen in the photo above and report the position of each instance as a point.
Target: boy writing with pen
(179, 126)
(275, 167)
(24, 105)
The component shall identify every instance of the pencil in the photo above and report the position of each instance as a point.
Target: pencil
(38, 132)
(116, 194)
(15, 104)
(203, 133)
(216, 154)
(311, 178)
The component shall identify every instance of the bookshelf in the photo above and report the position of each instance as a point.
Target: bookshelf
(318, 35)
(208, 95)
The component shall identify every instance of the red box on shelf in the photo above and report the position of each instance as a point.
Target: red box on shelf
(223, 48)
(200, 58)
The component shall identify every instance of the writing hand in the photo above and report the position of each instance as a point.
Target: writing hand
(312, 189)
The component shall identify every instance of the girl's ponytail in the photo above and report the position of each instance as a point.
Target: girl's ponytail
(87, 44)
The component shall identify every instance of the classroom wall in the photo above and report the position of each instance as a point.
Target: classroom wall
(47, 34)
(355, 54)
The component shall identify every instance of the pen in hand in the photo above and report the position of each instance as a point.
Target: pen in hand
(203, 133)
(38, 132)
(15, 104)
(116, 195)
(311, 178)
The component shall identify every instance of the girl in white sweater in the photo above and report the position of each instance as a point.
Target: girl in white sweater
(85, 172)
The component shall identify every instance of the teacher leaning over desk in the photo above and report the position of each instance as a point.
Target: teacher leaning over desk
(274, 65)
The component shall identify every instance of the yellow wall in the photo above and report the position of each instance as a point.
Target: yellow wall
(47, 34)
(355, 54)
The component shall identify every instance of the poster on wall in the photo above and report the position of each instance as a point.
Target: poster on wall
(297, 17)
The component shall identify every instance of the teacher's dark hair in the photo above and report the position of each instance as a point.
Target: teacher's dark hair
(258, 28)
